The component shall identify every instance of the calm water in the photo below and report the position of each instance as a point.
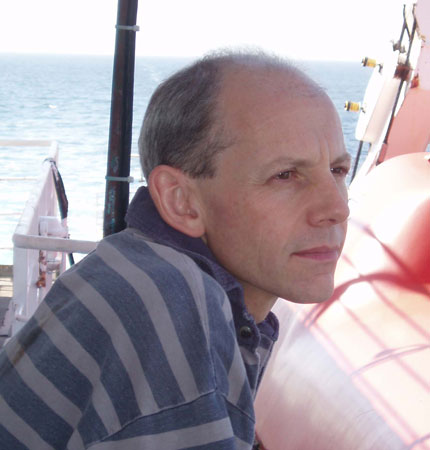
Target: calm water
(67, 98)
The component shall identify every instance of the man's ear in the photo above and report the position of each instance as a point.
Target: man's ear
(175, 200)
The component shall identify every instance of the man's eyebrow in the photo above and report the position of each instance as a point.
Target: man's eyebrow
(302, 162)
(286, 161)
(344, 158)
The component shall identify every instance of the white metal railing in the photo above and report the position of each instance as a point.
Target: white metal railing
(40, 242)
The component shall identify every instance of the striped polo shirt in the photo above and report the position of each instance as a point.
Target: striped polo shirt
(144, 344)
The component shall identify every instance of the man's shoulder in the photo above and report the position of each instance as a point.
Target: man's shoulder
(142, 252)
(133, 249)
(128, 261)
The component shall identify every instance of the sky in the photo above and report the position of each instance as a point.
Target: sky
(301, 29)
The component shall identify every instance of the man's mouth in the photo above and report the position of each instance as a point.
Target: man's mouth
(323, 253)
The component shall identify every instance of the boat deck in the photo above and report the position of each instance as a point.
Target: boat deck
(6, 291)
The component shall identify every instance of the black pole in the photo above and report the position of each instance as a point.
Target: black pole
(357, 160)
(121, 119)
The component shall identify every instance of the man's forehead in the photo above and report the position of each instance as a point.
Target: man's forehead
(246, 81)
(250, 96)
(249, 99)
(258, 120)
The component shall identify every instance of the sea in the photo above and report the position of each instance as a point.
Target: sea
(67, 98)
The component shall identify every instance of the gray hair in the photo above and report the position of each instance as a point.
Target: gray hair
(182, 127)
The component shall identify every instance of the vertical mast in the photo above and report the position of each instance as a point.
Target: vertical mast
(121, 119)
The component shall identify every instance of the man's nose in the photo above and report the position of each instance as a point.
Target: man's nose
(329, 204)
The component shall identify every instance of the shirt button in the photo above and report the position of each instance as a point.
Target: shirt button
(245, 332)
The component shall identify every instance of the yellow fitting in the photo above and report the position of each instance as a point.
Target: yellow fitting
(353, 106)
(368, 62)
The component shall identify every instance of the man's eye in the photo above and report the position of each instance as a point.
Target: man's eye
(284, 175)
(340, 170)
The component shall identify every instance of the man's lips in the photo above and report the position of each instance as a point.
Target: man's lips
(323, 253)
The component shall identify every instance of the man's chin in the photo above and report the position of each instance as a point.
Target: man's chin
(313, 296)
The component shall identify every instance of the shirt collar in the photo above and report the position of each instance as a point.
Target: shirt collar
(143, 215)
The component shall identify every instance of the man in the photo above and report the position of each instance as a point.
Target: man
(159, 339)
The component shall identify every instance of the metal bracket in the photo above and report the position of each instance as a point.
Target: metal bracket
(125, 179)
(128, 27)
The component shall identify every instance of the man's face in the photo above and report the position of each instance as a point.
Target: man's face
(276, 209)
